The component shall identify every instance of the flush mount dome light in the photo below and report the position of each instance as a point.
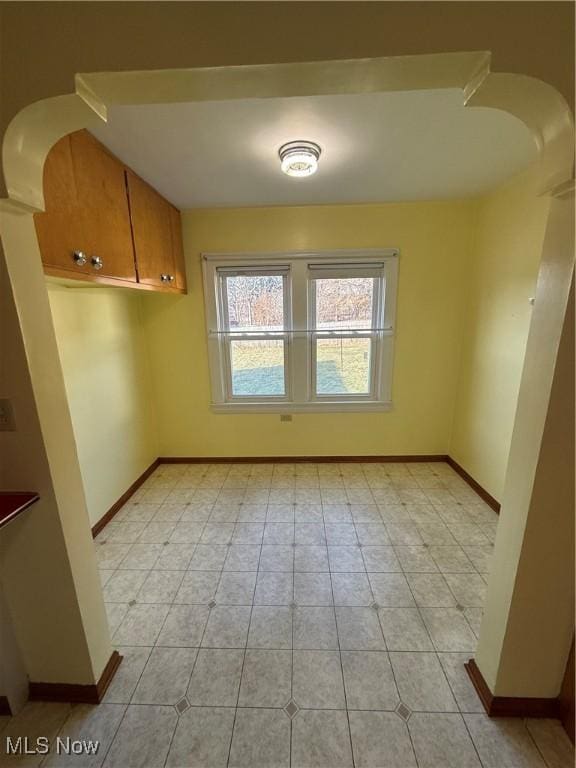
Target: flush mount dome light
(299, 158)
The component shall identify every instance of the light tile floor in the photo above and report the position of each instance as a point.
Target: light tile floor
(296, 614)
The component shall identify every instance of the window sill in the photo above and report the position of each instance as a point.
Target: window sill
(369, 406)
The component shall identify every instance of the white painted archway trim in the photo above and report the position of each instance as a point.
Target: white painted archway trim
(36, 128)
(538, 105)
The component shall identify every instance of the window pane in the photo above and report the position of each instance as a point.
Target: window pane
(343, 366)
(255, 302)
(344, 302)
(257, 368)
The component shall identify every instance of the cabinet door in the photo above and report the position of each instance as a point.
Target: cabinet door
(177, 249)
(152, 232)
(59, 228)
(103, 202)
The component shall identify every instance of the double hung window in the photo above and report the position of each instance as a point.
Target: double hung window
(301, 332)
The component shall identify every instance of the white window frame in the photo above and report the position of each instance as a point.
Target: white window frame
(299, 331)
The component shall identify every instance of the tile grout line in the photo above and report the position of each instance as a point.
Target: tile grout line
(340, 653)
(243, 661)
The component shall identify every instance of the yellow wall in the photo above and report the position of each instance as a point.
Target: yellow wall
(500, 280)
(105, 364)
(434, 240)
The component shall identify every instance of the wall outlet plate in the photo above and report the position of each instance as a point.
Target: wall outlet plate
(7, 420)
(286, 417)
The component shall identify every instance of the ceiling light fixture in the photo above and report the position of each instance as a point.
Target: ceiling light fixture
(299, 158)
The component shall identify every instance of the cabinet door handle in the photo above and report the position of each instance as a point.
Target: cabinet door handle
(79, 258)
(97, 262)
(170, 278)
(164, 278)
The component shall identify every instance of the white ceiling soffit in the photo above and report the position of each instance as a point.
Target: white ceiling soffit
(376, 147)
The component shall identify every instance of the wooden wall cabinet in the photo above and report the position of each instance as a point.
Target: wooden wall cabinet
(152, 228)
(103, 223)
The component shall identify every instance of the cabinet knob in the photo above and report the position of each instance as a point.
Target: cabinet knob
(79, 258)
(97, 262)
(170, 278)
(164, 278)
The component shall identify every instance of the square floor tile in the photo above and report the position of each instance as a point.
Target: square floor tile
(502, 742)
(449, 629)
(173, 557)
(381, 740)
(308, 513)
(86, 722)
(341, 534)
(337, 513)
(202, 738)
(217, 533)
(310, 534)
(469, 589)
(160, 587)
(345, 559)
(481, 556)
(381, 559)
(270, 627)
(248, 533)
(416, 559)
(278, 534)
(274, 588)
(421, 682)
(208, 557)
(142, 556)
(242, 557)
(468, 534)
(317, 680)
(127, 675)
(310, 559)
(123, 586)
(431, 590)
(313, 589)
(144, 737)
(351, 589)
(165, 676)
(315, 629)
(372, 534)
(141, 625)
(276, 558)
(404, 630)
(435, 533)
(216, 678)
(253, 509)
(184, 626)
(261, 739)
(442, 740)
(461, 685)
(266, 678)
(198, 587)
(391, 590)
(321, 739)
(115, 613)
(236, 588)
(359, 629)
(227, 627)
(280, 513)
(369, 680)
(451, 559)
(157, 533)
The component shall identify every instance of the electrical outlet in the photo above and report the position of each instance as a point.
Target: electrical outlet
(286, 417)
(7, 421)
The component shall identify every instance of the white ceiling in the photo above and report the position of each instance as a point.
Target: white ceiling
(376, 147)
